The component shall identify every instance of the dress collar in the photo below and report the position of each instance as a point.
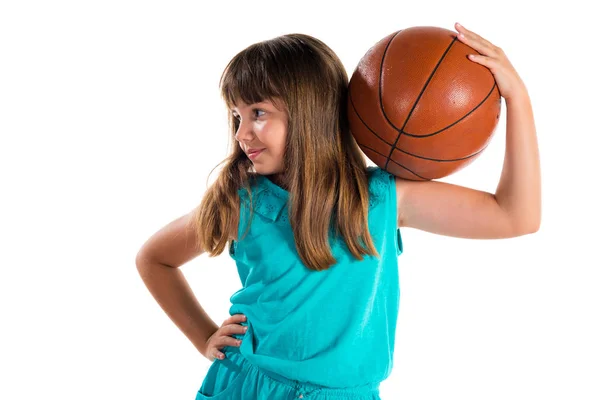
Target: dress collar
(269, 199)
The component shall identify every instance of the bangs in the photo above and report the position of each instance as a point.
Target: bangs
(253, 76)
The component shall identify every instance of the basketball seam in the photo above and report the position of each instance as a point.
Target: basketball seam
(439, 159)
(395, 162)
(365, 124)
(381, 98)
(417, 99)
(457, 121)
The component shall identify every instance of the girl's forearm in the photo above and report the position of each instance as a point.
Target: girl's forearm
(173, 293)
(519, 189)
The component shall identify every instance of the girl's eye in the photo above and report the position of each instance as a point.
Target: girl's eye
(256, 112)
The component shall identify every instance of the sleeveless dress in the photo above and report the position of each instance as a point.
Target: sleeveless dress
(318, 334)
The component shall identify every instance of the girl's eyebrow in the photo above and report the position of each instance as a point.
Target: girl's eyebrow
(253, 105)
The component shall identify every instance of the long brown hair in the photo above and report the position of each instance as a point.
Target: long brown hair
(325, 171)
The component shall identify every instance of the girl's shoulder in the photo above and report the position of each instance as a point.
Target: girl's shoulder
(381, 182)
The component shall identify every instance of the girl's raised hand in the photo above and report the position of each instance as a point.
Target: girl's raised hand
(222, 337)
(493, 57)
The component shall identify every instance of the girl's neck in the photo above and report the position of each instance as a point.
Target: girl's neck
(278, 180)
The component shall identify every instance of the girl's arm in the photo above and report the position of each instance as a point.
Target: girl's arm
(515, 208)
(158, 263)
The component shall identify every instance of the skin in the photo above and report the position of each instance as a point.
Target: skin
(263, 125)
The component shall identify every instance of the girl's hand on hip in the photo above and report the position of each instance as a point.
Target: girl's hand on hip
(222, 337)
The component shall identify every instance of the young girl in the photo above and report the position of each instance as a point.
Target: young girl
(315, 232)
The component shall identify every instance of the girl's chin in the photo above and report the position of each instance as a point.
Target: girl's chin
(266, 170)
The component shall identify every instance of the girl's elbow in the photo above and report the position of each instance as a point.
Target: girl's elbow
(532, 228)
(526, 227)
(536, 225)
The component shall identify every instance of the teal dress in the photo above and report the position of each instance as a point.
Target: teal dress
(330, 331)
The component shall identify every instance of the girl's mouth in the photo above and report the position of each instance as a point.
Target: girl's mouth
(252, 155)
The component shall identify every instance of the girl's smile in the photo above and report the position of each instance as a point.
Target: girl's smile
(255, 153)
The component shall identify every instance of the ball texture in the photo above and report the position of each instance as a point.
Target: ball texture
(418, 107)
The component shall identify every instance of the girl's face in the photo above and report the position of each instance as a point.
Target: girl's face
(264, 128)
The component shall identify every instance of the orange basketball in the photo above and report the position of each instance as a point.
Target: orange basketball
(418, 107)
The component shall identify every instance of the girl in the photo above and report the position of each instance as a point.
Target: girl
(315, 232)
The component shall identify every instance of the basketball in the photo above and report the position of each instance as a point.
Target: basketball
(418, 107)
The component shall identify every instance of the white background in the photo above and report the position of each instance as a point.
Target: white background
(111, 120)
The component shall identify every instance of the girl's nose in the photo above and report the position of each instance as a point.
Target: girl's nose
(244, 132)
